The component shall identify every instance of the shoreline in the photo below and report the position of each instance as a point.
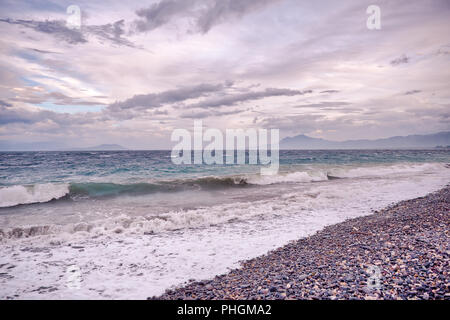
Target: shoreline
(402, 251)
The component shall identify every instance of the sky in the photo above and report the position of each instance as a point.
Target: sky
(136, 70)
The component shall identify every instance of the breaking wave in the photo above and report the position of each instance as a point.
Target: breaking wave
(150, 224)
(41, 193)
(299, 176)
(16, 195)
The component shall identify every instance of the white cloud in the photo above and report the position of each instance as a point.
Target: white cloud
(307, 67)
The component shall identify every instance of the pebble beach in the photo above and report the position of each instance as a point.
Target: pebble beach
(400, 252)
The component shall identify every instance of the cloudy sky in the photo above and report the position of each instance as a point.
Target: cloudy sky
(136, 70)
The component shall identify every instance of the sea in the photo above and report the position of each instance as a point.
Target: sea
(133, 224)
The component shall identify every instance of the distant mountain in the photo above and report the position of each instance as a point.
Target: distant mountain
(398, 142)
(102, 147)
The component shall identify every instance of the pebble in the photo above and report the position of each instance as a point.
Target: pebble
(402, 251)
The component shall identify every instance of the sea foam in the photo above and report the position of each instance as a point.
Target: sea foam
(19, 194)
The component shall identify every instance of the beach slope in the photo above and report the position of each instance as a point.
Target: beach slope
(401, 252)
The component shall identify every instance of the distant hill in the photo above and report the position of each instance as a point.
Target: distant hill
(102, 147)
(398, 142)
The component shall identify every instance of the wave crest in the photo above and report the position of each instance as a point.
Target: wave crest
(41, 193)
(16, 195)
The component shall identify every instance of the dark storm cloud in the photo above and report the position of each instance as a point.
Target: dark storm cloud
(161, 13)
(155, 100)
(444, 50)
(407, 93)
(401, 60)
(54, 27)
(329, 91)
(10, 115)
(206, 14)
(233, 99)
(205, 114)
(324, 104)
(223, 10)
(5, 104)
(112, 32)
(43, 51)
(134, 106)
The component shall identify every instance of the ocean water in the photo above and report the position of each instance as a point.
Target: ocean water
(134, 217)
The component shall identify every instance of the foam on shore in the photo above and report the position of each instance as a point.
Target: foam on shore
(195, 244)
